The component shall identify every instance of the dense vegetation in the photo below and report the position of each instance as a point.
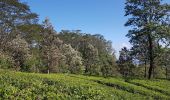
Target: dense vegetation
(26, 45)
(19, 85)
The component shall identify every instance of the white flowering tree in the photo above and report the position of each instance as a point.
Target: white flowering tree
(73, 59)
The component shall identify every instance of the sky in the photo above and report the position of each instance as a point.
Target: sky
(104, 17)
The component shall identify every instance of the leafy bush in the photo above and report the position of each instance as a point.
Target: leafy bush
(6, 62)
(19, 85)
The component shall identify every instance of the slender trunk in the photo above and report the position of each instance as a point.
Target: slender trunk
(145, 70)
(39, 56)
(153, 72)
(150, 56)
(166, 72)
(48, 63)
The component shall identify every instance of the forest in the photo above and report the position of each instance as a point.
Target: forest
(29, 48)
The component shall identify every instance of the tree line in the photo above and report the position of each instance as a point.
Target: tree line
(29, 46)
(26, 45)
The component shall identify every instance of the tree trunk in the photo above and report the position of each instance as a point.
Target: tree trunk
(166, 72)
(145, 70)
(48, 64)
(150, 56)
(153, 72)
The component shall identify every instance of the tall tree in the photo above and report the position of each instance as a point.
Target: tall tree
(150, 19)
(125, 62)
(50, 47)
(13, 13)
(91, 58)
(13, 16)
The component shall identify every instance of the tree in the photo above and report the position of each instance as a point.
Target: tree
(73, 59)
(167, 61)
(16, 21)
(91, 58)
(18, 48)
(13, 14)
(59, 57)
(125, 62)
(149, 19)
(6, 61)
(164, 60)
(108, 65)
(50, 47)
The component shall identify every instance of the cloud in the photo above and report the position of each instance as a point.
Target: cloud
(128, 45)
(119, 46)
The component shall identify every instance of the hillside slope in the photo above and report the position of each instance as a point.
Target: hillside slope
(28, 86)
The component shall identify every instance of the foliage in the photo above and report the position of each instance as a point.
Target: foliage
(97, 52)
(73, 59)
(19, 50)
(19, 85)
(6, 61)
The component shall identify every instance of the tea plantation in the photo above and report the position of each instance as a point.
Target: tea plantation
(31, 86)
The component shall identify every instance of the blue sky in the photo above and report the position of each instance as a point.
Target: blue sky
(105, 17)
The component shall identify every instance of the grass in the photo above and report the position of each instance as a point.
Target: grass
(28, 86)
